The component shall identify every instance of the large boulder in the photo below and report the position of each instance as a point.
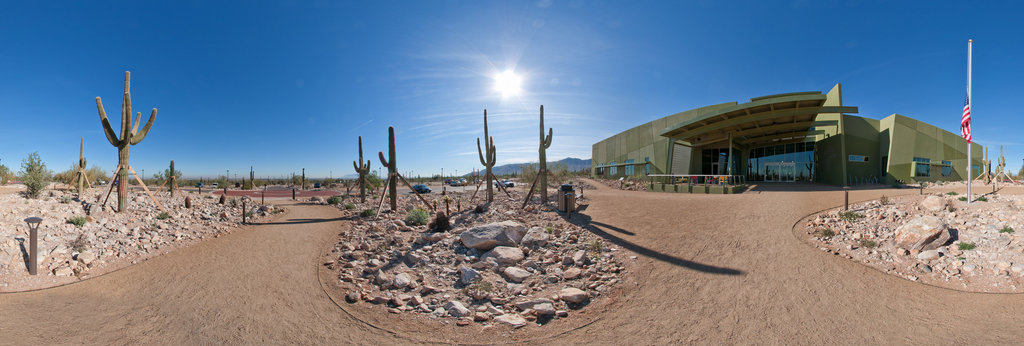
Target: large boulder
(536, 237)
(456, 309)
(933, 203)
(516, 274)
(922, 233)
(486, 237)
(573, 295)
(504, 255)
(514, 320)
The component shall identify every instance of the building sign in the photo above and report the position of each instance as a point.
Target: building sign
(858, 158)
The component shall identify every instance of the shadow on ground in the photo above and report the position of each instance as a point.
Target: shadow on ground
(598, 228)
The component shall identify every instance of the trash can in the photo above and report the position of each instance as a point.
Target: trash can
(566, 198)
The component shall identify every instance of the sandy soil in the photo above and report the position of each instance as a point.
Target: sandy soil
(712, 269)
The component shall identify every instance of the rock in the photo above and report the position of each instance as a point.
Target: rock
(572, 273)
(536, 237)
(86, 257)
(504, 255)
(402, 280)
(353, 297)
(317, 199)
(922, 233)
(933, 203)
(544, 309)
(516, 274)
(468, 275)
(456, 309)
(481, 317)
(529, 304)
(579, 257)
(1017, 268)
(928, 255)
(486, 237)
(64, 271)
(514, 320)
(573, 295)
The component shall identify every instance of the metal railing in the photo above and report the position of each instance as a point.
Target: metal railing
(698, 179)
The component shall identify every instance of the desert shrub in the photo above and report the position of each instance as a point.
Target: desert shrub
(65, 199)
(595, 245)
(163, 216)
(417, 217)
(349, 206)
(982, 199)
(479, 286)
(5, 174)
(333, 200)
(884, 200)
(962, 199)
(440, 222)
(952, 193)
(34, 175)
(78, 221)
(1006, 229)
(79, 244)
(479, 209)
(849, 216)
(866, 243)
(368, 213)
(827, 233)
(966, 246)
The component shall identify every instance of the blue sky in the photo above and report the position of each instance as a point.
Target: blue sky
(286, 85)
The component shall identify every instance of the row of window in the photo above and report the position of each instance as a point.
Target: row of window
(628, 170)
(923, 168)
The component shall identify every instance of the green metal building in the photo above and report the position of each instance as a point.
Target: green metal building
(803, 136)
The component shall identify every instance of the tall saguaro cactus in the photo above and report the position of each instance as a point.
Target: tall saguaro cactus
(363, 169)
(487, 162)
(80, 172)
(545, 143)
(130, 135)
(172, 180)
(252, 178)
(303, 178)
(392, 171)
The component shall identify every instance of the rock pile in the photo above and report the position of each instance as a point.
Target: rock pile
(106, 239)
(504, 266)
(937, 239)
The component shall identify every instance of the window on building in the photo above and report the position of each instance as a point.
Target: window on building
(628, 168)
(647, 166)
(947, 168)
(613, 170)
(922, 167)
(600, 170)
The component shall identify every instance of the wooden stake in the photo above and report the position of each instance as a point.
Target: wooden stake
(414, 191)
(144, 188)
(530, 194)
(381, 205)
(111, 188)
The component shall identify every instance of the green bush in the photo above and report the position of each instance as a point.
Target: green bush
(966, 246)
(334, 200)
(1006, 229)
(827, 233)
(952, 193)
(349, 206)
(982, 199)
(34, 175)
(866, 243)
(962, 199)
(417, 217)
(78, 221)
(5, 174)
(849, 216)
(163, 216)
(368, 213)
(65, 199)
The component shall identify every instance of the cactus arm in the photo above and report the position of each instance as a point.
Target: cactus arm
(135, 124)
(126, 111)
(109, 131)
(493, 154)
(354, 165)
(547, 140)
(383, 161)
(480, 152)
(136, 138)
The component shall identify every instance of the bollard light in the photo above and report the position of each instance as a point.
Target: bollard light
(33, 252)
(846, 202)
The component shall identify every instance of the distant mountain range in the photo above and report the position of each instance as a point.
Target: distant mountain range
(574, 164)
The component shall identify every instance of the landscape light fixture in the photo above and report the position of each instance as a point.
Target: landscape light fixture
(33, 252)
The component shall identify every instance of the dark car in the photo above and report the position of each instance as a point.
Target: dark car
(421, 188)
(201, 184)
(504, 183)
(317, 185)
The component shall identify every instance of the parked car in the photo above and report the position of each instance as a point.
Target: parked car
(455, 182)
(201, 184)
(317, 185)
(504, 183)
(215, 184)
(421, 188)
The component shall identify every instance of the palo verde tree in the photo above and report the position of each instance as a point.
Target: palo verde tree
(130, 135)
(363, 169)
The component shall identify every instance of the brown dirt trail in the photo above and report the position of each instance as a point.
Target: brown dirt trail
(711, 269)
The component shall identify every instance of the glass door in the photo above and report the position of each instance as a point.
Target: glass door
(780, 171)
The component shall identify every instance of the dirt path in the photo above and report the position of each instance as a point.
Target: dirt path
(712, 269)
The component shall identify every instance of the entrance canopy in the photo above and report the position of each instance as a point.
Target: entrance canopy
(774, 119)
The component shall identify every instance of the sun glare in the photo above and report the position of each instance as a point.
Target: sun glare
(507, 83)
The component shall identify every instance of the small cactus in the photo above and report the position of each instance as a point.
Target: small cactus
(363, 169)
(392, 171)
(545, 143)
(487, 162)
(188, 202)
(172, 180)
(80, 175)
(130, 135)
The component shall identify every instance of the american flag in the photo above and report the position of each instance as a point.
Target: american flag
(965, 122)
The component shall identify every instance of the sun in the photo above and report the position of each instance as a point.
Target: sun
(507, 83)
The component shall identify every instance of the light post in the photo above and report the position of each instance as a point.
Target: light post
(33, 252)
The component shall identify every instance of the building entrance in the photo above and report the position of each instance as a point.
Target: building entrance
(780, 171)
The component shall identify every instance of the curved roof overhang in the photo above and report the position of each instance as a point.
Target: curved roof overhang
(763, 120)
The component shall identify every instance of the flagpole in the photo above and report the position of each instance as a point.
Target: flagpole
(970, 43)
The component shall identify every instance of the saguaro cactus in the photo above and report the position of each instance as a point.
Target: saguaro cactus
(80, 174)
(545, 143)
(487, 162)
(363, 169)
(130, 135)
(172, 180)
(303, 178)
(252, 178)
(392, 171)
